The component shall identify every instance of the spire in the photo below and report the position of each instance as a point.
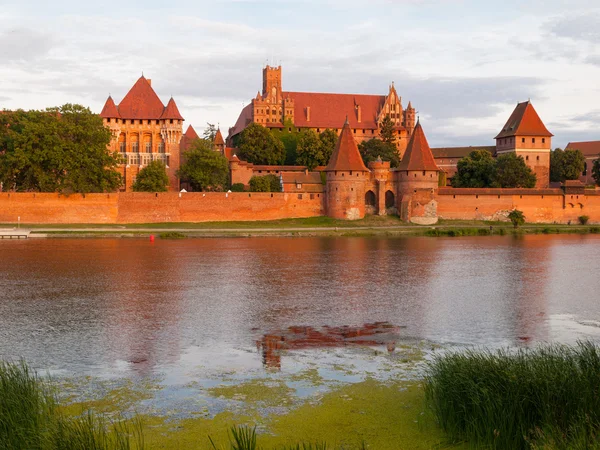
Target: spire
(418, 155)
(171, 111)
(110, 110)
(346, 156)
(219, 138)
(409, 105)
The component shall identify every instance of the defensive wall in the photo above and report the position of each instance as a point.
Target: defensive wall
(124, 208)
(538, 205)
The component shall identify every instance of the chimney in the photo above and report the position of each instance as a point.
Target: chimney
(149, 81)
(359, 113)
(308, 113)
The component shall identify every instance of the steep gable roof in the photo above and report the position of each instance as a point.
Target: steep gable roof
(418, 155)
(110, 110)
(219, 138)
(141, 102)
(524, 121)
(190, 133)
(588, 148)
(346, 156)
(171, 111)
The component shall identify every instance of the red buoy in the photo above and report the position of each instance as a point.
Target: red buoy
(151, 238)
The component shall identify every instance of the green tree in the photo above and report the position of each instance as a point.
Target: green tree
(329, 140)
(375, 148)
(152, 178)
(387, 131)
(57, 150)
(513, 172)
(516, 217)
(566, 165)
(266, 183)
(596, 171)
(258, 146)
(310, 150)
(477, 170)
(288, 135)
(210, 132)
(203, 168)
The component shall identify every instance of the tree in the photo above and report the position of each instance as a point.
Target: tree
(60, 149)
(203, 168)
(310, 150)
(516, 217)
(266, 183)
(387, 131)
(329, 140)
(258, 146)
(152, 178)
(210, 132)
(513, 172)
(596, 171)
(566, 165)
(374, 148)
(288, 135)
(477, 170)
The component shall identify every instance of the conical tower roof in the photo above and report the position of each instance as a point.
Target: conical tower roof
(418, 155)
(141, 102)
(110, 110)
(346, 156)
(219, 138)
(524, 121)
(191, 133)
(171, 111)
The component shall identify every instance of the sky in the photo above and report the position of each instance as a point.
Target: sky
(463, 64)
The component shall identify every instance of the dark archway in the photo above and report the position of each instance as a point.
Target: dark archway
(370, 199)
(390, 199)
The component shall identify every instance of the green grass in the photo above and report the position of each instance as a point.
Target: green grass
(548, 397)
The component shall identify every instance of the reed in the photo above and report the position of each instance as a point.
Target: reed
(548, 397)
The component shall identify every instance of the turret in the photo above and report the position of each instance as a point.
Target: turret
(346, 179)
(219, 142)
(409, 117)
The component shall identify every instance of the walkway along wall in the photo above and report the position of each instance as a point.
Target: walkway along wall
(538, 205)
(124, 208)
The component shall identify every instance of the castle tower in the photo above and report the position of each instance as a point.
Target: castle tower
(526, 135)
(409, 117)
(417, 181)
(219, 142)
(346, 179)
(272, 84)
(171, 130)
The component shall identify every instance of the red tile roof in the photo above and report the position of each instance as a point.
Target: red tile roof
(219, 138)
(190, 133)
(346, 156)
(524, 121)
(141, 102)
(171, 111)
(243, 121)
(588, 148)
(110, 110)
(418, 155)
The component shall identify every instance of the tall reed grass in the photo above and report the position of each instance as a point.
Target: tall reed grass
(547, 397)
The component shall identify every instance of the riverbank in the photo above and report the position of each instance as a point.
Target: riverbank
(316, 226)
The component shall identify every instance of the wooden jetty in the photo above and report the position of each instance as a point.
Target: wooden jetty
(13, 233)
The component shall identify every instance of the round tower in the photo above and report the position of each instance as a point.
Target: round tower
(347, 176)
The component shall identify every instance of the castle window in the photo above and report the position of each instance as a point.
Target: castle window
(533, 140)
(543, 140)
(312, 196)
(527, 158)
(135, 147)
(350, 173)
(171, 120)
(161, 147)
(148, 147)
(522, 140)
(423, 173)
(363, 131)
(537, 158)
(354, 131)
(299, 196)
(298, 185)
(122, 147)
(318, 130)
(372, 131)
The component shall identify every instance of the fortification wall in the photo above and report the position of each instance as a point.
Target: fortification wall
(126, 208)
(538, 205)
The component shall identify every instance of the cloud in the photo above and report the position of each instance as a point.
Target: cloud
(24, 45)
(581, 27)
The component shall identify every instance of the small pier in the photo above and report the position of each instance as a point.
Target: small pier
(14, 233)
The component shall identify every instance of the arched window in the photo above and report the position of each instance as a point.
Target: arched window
(390, 199)
(370, 199)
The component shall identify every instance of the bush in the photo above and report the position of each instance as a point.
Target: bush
(172, 235)
(583, 220)
(267, 183)
(237, 187)
(517, 218)
(152, 178)
(518, 399)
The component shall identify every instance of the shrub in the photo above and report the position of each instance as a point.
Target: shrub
(583, 220)
(517, 399)
(517, 218)
(152, 178)
(172, 235)
(237, 187)
(266, 183)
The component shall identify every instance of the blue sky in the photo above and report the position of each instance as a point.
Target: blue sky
(463, 64)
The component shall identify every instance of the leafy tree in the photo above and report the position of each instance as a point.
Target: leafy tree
(152, 178)
(237, 187)
(267, 183)
(329, 140)
(258, 146)
(513, 172)
(374, 148)
(310, 150)
(288, 135)
(210, 132)
(204, 168)
(566, 165)
(516, 217)
(477, 170)
(596, 171)
(57, 150)
(387, 131)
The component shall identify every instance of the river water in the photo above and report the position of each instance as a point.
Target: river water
(202, 310)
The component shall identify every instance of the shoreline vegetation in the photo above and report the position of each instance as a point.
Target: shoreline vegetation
(547, 397)
(315, 226)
